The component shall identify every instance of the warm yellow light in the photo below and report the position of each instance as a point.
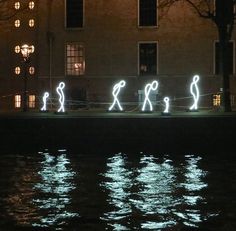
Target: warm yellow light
(17, 101)
(31, 101)
(26, 50)
(17, 23)
(31, 5)
(31, 70)
(17, 70)
(216, 100)
(17, 49)
(31, 22)
(32, 49)
(17, 5)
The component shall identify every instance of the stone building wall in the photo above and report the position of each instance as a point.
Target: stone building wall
(110, 37)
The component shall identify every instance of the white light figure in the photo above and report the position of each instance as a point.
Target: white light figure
(148, 88)
(195, 92)
(61, 96)
(45, 96)
(167, 105)
(115, 93)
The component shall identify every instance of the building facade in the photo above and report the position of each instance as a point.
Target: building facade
(90, 45)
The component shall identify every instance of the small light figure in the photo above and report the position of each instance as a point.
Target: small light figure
(115, 92)
(61, 96)
(167, 105)
(148, 88)
(195, 93)
(45, 96)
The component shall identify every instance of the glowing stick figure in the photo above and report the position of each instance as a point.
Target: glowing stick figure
(45, 96)
(167, 104)
(61, 96)
(115, 93)
(195, 92)
(148, 88)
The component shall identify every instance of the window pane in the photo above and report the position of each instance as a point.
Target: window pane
(31, 101)
(17, 70)
(17, 49)
(17, 23)
(147, 12)
(74, 13)
(75, 62)
(17, 101)
(17, 5)
(148, 59)
(31, 70)
(31, 22)
(31, 5)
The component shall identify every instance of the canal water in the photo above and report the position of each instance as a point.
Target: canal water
(63, 189)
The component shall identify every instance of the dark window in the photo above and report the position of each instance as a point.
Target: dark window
(74, 13)
(147, 12)
(230, 58)
(147, 58)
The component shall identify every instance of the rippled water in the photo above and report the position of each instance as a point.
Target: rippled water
(66, 190)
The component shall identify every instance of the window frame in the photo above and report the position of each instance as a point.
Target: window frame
(17, 101)
(65, 17)
(138, 13)
(157, 60)
(32, 103)
(84, 63)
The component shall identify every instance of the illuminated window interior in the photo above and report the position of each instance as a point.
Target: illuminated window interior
(31, 5)
(31, 70)
(17, 23)
(17, 70)
(75, 63)
(17, 101)
(216, 100)
(31, 101)
(31, 22)
(17, 5)
(17, 49)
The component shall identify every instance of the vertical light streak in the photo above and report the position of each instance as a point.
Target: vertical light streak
(148, 88)
(115, 92)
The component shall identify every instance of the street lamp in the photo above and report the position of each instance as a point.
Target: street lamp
(25, 51)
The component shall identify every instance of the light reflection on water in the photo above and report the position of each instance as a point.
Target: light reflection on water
(156, 188)
(54, 187)
(141, 192)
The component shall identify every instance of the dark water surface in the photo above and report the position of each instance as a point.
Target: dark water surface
(69, 190)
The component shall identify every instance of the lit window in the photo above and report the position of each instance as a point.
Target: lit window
(17, 101)
(17, 70)
(148, 58)
(17, 49)
(31, 70)
(31, 22)
(75, 63)
(31, 5)
(17, 5)
(17, 23)
(216, 100)
(31, 101)
(74, 13)
(147, 12)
